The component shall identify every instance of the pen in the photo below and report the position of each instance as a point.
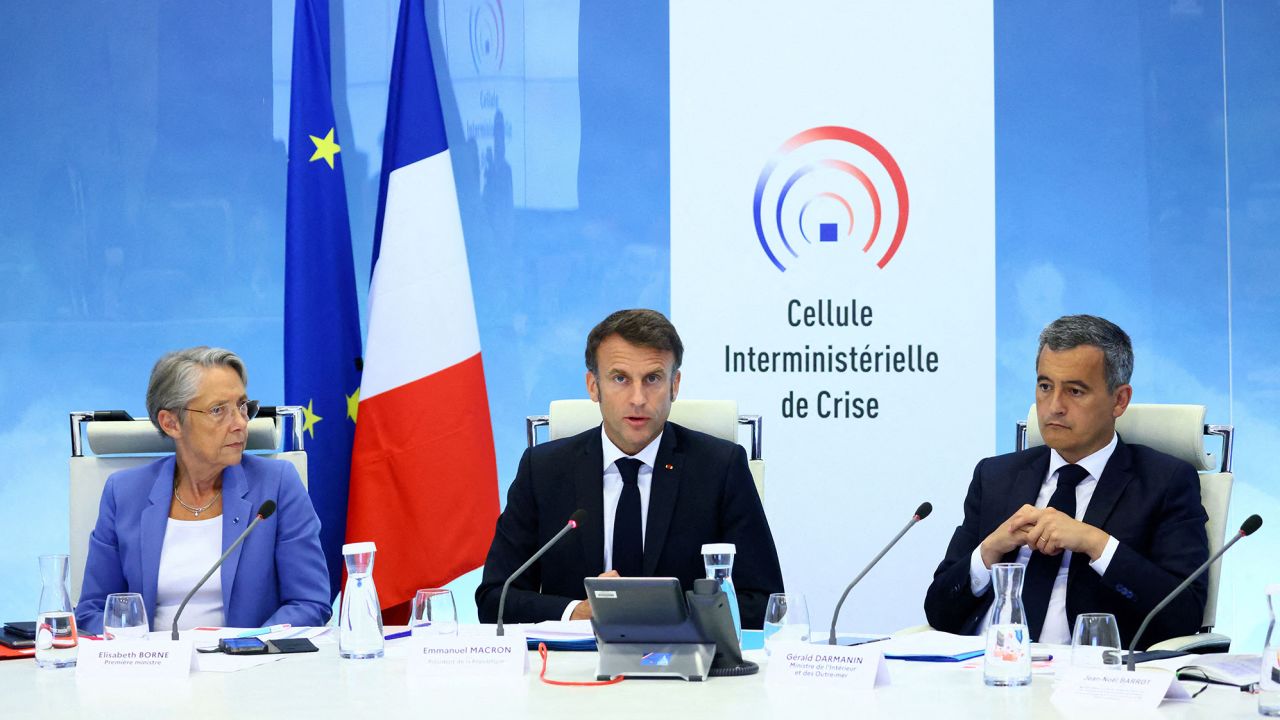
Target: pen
(264, 631)
(401, 634)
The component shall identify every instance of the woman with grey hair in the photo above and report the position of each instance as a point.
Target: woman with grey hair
(161, 526)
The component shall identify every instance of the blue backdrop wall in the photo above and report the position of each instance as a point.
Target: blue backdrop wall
(142, 209)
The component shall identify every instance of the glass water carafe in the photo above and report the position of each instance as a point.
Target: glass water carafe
(360, 619)
(1269, 682)
(1008, 657)
(55, 618)
(717, 559)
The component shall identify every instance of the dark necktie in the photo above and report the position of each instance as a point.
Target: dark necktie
(628, 535)
(1042, 569)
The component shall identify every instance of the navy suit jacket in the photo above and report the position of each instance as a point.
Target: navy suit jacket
(1147, 500)
(277, 575)
(702, 492)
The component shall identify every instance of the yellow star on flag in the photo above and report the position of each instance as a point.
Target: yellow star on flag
(353, 404)
(310, 420)
(325, 148)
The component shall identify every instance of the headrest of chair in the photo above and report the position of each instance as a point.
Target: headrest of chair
(129, 437)
(1177, 430)
(570, 417)
(714, 417)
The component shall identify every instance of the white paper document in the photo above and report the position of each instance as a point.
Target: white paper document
(933, 644)
(224, 663)
(1228, 669)
(560, 630)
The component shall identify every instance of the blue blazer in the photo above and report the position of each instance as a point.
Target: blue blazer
(277, 575)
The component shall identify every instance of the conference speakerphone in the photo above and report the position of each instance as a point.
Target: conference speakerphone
(645, 628)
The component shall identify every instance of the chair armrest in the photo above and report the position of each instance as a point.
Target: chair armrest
(1199, 644)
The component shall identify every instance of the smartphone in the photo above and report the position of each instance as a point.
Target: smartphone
(292, 645)
(25, 629)
(242, 646)
(10, 640)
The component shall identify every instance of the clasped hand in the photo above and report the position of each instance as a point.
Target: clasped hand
(1046, 530)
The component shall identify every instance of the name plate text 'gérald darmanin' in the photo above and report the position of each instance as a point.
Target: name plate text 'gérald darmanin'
(858, 667)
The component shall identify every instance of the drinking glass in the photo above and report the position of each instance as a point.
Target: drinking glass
(124, 617)
(786, 619)
(433, 613)
(1095, 643)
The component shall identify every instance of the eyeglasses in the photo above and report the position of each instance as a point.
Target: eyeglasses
(221, 414)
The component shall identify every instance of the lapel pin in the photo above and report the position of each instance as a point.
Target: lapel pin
(235, 521)
(669, 466)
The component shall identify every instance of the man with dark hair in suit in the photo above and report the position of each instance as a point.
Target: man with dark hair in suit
(654, 491)
(1102, 526)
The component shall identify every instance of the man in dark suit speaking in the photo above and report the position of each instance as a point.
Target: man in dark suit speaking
(654, 491)
(1102, 526)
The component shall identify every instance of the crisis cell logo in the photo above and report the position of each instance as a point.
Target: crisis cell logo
(830, 184)
(488, 36)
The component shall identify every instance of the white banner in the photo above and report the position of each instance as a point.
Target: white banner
(833, 270)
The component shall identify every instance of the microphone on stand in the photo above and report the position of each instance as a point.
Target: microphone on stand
(264, 512)
(1248, 527)
(922, 512)
(574, 520)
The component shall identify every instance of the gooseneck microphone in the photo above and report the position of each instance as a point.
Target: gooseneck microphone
(264, 511)
(574, 521)
(922, 512)
(1248, 527)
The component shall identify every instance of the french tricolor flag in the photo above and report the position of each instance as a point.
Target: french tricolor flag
(423, 475)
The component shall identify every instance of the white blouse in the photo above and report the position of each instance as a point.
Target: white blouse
(190, 548)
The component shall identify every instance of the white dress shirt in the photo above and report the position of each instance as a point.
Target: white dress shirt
(613, 491)
(1055, 628)
(190, 548)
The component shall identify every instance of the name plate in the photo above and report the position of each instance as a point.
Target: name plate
(489, 656)
(143, 659)
(861, 667)
(1117, 688)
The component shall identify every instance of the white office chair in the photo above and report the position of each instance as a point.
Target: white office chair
(1178, 430)
(117, 442)
(714, 417)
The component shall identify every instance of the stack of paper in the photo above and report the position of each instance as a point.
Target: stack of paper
(1237, 670)
(934, 646)
(561, 635)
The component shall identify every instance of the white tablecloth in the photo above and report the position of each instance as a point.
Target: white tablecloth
(322, 685)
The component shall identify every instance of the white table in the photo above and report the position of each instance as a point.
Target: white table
(322, 685)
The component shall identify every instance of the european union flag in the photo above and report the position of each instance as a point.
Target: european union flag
(321, 318)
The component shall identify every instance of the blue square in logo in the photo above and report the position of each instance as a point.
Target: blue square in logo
(827, 232)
